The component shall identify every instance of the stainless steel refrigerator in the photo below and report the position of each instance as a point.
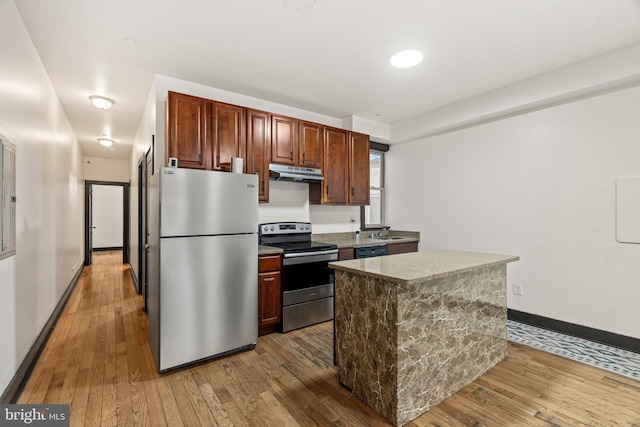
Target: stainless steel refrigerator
(203, 265)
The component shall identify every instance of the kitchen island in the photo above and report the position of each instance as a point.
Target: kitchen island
(413, 329)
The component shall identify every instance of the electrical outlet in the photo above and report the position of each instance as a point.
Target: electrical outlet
(517, 289)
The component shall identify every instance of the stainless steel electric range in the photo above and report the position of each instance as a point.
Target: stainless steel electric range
(307, 280)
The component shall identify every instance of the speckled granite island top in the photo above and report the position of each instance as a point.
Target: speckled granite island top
(421, 266)
(413, 329)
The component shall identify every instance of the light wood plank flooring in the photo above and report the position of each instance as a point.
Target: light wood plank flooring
(98, 360)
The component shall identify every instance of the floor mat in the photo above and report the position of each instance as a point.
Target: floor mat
(612, 359)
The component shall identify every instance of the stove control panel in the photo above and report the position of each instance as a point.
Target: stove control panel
(276, 228)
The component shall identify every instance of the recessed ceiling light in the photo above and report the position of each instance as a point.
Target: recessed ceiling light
(101, 102)
(406, 59)
(107, 142)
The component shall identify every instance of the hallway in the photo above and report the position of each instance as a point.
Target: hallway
(97, 356)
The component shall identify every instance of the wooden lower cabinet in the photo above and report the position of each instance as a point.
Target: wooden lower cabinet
(269, 294)
(402, 248)
(345, 254)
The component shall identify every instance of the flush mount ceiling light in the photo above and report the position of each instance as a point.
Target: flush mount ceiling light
(102, 102)
(406, 59)
(107, 142)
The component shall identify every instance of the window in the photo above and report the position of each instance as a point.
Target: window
(372, 216)
(8, 199)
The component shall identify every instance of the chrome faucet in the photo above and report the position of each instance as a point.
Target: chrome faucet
(380, 233)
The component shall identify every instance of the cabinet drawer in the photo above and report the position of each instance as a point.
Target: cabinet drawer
(269, 263)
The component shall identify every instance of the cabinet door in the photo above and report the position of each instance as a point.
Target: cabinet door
(310, 146)
(358, 169)
(258, 150)
(284, 140)
(187, 131)
(402, 248)
(269, 299)
(345, 254)
(228, 134)
(335, 166)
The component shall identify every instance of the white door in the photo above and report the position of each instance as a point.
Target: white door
(107, 213)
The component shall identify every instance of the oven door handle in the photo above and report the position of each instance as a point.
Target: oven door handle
(301, 254)
(309, 257)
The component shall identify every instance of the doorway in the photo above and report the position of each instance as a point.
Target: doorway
(145, 170)
(103, 190)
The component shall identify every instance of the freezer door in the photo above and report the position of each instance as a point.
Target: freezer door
(196, 203)
(208, 297)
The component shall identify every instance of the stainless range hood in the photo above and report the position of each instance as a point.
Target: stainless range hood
(294, 174)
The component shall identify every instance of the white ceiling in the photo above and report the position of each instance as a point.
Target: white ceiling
(332, 59)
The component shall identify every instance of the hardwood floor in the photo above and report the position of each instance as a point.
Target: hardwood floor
(98, 361)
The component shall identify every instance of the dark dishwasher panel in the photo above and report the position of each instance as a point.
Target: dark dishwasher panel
(370, 251)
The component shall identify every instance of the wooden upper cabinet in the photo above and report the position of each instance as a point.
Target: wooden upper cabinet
(310, 145)
(187, 131)
(358, 169)
(258, 147)
(346, 169)
(227, 124)
(206, 134)
(336, 163)
(284, 140)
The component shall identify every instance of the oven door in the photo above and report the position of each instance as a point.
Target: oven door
(307, 285)
(307, 270)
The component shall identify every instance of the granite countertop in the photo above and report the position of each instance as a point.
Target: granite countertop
(347, 240)
(268, 250)
(416, 267)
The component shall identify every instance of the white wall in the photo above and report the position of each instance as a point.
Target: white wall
(49, 195)
(107, 216)
(142, 143)
(541, 186)
(112, 170)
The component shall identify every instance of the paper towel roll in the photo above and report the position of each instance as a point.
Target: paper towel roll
(236, 164)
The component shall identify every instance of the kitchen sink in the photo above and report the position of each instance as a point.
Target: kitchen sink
(386, 238)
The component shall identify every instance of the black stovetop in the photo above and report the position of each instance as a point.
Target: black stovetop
(291, 237)
(302, 246)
